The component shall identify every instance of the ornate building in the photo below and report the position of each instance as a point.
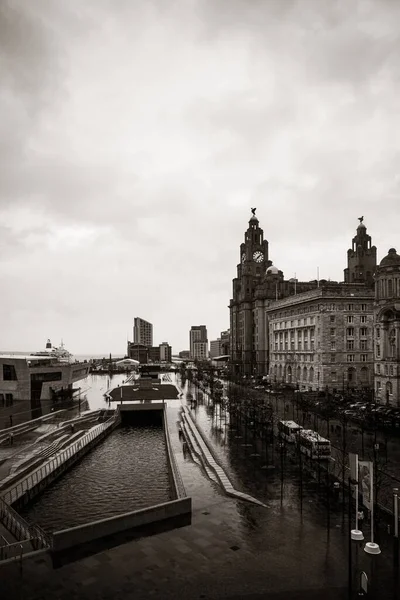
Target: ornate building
(387, 330)
(323, 339)
(258, 283)
(361, 258)
(331, 346)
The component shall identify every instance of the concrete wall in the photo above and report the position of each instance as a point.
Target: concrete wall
(82, 534)
(142, 406)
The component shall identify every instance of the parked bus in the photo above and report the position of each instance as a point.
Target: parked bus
(288, 430)
(313, 445)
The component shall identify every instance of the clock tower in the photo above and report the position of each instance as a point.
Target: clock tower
(250, 271)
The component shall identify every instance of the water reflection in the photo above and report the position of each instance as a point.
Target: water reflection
(125, 472)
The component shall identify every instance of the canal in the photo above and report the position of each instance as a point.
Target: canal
(126, 472)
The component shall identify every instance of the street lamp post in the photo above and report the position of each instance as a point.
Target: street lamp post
(396, 541)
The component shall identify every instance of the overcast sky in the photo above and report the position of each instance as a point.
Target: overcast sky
(135, 137)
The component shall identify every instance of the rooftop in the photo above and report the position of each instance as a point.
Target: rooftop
(130, 393)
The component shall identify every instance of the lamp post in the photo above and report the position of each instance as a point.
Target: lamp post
(396, 541)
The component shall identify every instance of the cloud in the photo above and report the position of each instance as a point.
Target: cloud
(136, 136)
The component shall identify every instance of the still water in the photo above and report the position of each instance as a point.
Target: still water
(125, 472)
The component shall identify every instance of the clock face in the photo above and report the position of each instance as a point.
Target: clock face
(258, 256)
(243, 257)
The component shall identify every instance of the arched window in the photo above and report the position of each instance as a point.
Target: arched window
(305, 374)
(280, 372)
(392, 342)
(351, 375)
(289, 374)
(311, 374)
(364, 375)
(298, 375)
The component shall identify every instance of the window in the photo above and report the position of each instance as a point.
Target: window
(333, 345)
(364, 357)
(391, 370)
(363, 331)
(364, 306)
(9, 373)
(350, 319)
(9, 399)
(350, 307)
(351, 358)
(363, 319)
(390, 287)
(333, 376)
(1, 400)
(333, 319)
(378, 350)
(350, 345)
(333, 331)
(363, 345)
(378, 369)
(378, 332)
(350, 332)
(378, 386)
(333, 358)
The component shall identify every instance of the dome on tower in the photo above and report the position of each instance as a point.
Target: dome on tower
(272, 270)
(253, 219)
(361, 226)
(391, 260)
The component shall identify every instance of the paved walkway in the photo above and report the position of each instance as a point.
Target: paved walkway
(214, 557)
(231, 550)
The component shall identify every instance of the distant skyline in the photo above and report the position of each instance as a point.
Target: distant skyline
(135, 138)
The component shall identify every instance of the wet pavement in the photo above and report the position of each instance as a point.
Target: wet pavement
(231, 549)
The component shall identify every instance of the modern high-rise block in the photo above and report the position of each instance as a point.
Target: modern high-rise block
(142, 332)
(198, 342)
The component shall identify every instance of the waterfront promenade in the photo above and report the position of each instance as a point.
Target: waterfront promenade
(232, 549)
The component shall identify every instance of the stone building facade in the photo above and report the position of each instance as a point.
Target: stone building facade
(387, 330)
(257, 284)
(259, 294)
(323, 339)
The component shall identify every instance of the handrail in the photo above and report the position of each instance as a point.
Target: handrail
(20, 529)
(180, 488)
(36, 476)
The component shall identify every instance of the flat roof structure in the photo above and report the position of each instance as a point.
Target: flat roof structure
(130, 393)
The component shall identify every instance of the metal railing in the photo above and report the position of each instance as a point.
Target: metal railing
(15, 550)
(12, 494)
(180, 488)
(21, 530)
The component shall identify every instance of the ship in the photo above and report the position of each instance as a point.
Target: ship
(59, 353)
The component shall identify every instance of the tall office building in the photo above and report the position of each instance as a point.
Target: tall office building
(215, 348)
(142, 332)
(198, 342)
(165, 352)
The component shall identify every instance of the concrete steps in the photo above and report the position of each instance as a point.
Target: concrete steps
(196, 452)
(221, 475)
